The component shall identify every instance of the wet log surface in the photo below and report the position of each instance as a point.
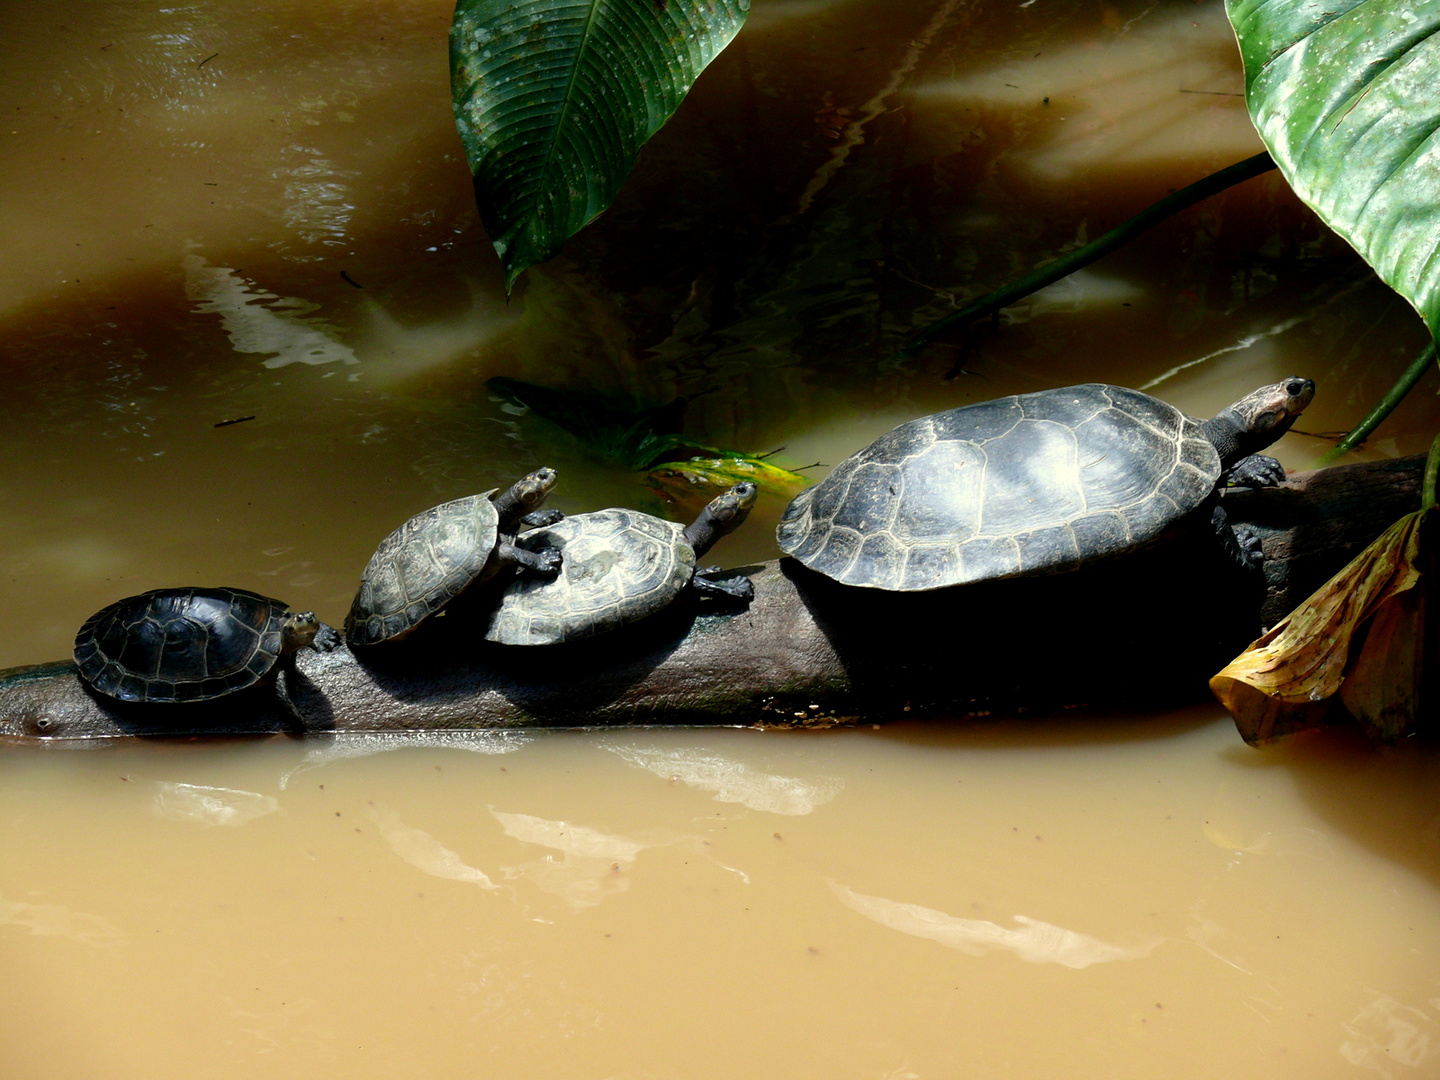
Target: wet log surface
(1148, 629)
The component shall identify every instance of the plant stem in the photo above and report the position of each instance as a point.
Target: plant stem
(1362, 430)
(1102, 245)
(1432, 469)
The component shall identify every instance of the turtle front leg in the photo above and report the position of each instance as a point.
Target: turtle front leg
(1239, 543)
(545, 561)
(1257, 470)
(738, 588)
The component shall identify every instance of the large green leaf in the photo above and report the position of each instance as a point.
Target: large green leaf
(1346, 95)
(554, 98)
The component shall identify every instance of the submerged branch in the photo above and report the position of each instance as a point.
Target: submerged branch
(1101, 246)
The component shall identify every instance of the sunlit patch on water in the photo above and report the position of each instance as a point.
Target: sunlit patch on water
(395, 348)
(1129, 100)
(259, 321)
(1076, 292)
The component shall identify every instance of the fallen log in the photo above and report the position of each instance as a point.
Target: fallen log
(1145, 630)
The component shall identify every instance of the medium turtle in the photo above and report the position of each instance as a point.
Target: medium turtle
(438, 554)
(1033, 483)
(619, 566)
(177, 645)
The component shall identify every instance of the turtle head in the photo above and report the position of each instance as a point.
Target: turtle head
(724, 514)
(299, 630)
(523, 496)
(1259, 418)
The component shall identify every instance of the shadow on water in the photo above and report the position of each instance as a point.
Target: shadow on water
(1085, 726)
(1385, 798)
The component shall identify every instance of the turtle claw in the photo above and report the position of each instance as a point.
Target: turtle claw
(739, 588)
(1257, 470)
(1252, 551)
(539, 519)
(547, 561)
(327, 638)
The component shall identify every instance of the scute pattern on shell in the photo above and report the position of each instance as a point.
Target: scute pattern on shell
(181, 644)
(422, 566)
(619, 566)
(1032, 483)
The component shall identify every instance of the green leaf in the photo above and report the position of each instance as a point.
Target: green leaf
(1344, 94)
(700, 479)
(554, 98)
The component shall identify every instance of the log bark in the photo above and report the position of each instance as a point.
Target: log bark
(1144, 630)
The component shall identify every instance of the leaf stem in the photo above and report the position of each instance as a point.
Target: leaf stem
(1102, 245)
(1386, 406)
(1432, 469)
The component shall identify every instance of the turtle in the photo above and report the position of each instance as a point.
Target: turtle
(1034, 483)
(438, 554)
(619, 566)
(192, 644)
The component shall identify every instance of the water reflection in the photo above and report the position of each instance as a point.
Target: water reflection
(317, 197)
(211, 805)
(424, 852)
(321, 751)
(731, 781)
(58, 921)
(1033, 941)
(591, 866)
(259, 321)
(1386, 1033)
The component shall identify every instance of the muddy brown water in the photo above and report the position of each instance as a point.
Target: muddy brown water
(263, 216)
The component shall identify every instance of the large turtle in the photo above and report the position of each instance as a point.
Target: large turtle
(438, 554)
(1033, 483)
(177, 645)
(619, 566)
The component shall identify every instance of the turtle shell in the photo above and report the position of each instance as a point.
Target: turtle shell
(1027, 484)
(619, 566)
(181, 644)
(421, 567)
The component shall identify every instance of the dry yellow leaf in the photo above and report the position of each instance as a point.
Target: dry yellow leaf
(1357, 642)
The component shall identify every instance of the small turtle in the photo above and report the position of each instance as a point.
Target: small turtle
(438, 554)
(176, 645)
(1034, 483)
(620, 565)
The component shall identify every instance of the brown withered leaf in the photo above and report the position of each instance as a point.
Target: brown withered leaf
(1355, 648)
